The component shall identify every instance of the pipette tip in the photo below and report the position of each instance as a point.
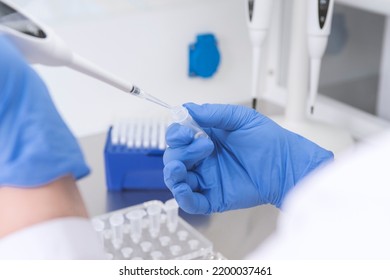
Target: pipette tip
(254, 103)
(312, 110)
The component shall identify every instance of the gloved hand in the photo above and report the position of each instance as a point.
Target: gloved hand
(36, 147)
(249, 160)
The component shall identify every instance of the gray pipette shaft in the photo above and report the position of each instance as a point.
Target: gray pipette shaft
(82, 65)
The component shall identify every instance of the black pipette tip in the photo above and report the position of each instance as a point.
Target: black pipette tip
(254, 103)
(312, 110)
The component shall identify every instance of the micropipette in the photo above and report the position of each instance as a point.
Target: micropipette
(39, 44)
(318, 27)
(259, 18)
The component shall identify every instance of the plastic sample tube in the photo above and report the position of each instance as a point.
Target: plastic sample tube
(135, 217)
(161, 135)
(123, 133)
(175, 249)
(182, 235)
(98, 225)
(154, 134)
(181, 115)
(116, 222)
(126, 252)
(146, 135)
(146, 246)
(130, 135)
(165, 240)
(115, 133)
(154, 212)
(156, 255)
(138, 135)
(194, 244)
(172, 209)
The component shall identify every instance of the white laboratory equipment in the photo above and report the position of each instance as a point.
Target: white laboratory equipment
(156, 231)
(39, 44)
(319, 15)
(292, 41)
(259, 19)
(329, 136)
(159, 59)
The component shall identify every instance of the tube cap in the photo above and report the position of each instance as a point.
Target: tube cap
(179, 114)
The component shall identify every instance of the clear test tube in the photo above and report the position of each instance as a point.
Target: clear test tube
(130, 135)
(136, 221)
(115, 133)
(182, 235)
(98, 225)
(172, 210)
(146, 134)
(157, 255)
(126, 252)
(175, 249)
(138, 134)
(165, 240)
(154, 213)
(194, 244)
(181, 115)
(116, 222)
(123, 132)
(161, 135)
(146, 246)
(154, 134)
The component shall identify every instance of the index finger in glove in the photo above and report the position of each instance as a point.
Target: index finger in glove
(227, 117)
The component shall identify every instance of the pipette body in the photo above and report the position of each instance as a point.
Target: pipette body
(40, 45)
(318, 28)
(259, 19)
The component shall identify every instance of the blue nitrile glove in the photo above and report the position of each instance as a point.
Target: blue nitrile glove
(249, 160)
(36, 147)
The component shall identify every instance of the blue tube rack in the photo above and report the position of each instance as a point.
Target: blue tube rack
(133, 168)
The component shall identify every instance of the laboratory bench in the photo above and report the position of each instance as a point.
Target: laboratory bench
(234, 234)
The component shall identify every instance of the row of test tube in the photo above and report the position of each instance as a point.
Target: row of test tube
(132, 224)
(146, 134)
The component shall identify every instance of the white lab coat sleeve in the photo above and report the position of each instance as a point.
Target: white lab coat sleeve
(339, 212)
(64, 238)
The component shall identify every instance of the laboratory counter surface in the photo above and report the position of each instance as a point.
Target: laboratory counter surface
(234, 233)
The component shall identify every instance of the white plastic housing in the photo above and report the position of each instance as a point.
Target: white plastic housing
(258, 25)
(49, 51)
(52, 51)
(317, 42)
(313, 26)
(260, 20)
(261, 15)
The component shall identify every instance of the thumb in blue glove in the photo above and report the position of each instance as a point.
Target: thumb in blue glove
(249, 160)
